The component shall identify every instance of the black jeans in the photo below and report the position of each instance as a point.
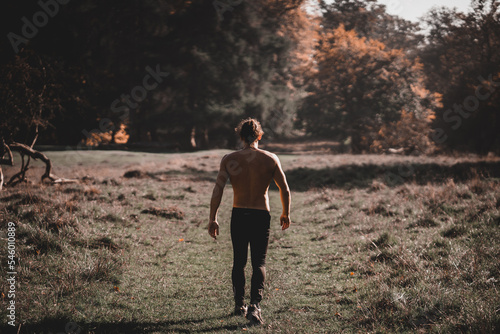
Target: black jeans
(249, 226)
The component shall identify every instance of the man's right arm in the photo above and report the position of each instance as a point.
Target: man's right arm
(280, 180)
(222, 177)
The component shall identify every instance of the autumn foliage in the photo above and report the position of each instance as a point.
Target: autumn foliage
(360, 86)
(345, 70)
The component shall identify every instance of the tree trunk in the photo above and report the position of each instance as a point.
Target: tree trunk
(193, 137)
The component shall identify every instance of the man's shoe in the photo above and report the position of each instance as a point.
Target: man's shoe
(254, 315)
(241, 310)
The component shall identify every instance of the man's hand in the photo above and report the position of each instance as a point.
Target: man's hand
(285, 222)
(213, 229)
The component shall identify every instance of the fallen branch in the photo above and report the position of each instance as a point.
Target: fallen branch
(10, 159)
(5, 161)
(31, 153)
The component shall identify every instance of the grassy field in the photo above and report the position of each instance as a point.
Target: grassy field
(378, 244)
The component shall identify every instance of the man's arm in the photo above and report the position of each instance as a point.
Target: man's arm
(213, 225)
(280, 180)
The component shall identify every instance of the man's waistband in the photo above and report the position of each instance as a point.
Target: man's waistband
(249, 211)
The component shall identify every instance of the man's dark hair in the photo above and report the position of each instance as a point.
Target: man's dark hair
(249, 130)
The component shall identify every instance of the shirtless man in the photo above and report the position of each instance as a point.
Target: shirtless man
(250, 172)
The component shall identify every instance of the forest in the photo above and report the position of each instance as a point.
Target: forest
(388, 132)
(180, 74)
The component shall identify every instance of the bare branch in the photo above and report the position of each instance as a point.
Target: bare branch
(26, 150)
(36, 136)
(10, 159)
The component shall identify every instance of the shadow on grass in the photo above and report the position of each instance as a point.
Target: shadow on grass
(66, 326)
(362, 176)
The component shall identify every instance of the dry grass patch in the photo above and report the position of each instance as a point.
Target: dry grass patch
(168, 213)
(361, 255)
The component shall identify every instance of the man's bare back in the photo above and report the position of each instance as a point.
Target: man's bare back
(250, 173)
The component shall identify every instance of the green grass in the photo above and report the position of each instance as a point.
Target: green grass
(132, 255)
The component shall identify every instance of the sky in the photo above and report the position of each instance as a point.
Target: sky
(413, 9)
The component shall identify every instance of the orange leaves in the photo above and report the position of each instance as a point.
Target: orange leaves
(361, 80)
(354, 289)
(346, 44)
(121, 136)
(409, 132)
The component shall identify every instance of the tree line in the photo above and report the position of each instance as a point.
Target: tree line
(182, 73)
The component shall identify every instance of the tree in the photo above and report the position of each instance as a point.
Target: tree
(224, 59)
(369, 19)
(359, 85)
(462, 61)
(227, 66)
(29, 94)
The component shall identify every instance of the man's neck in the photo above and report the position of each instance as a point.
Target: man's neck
(254, 145)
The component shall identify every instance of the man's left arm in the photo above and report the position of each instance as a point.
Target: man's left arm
(213, 225)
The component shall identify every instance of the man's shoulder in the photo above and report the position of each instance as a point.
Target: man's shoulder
(249, 155)
(270, 154)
